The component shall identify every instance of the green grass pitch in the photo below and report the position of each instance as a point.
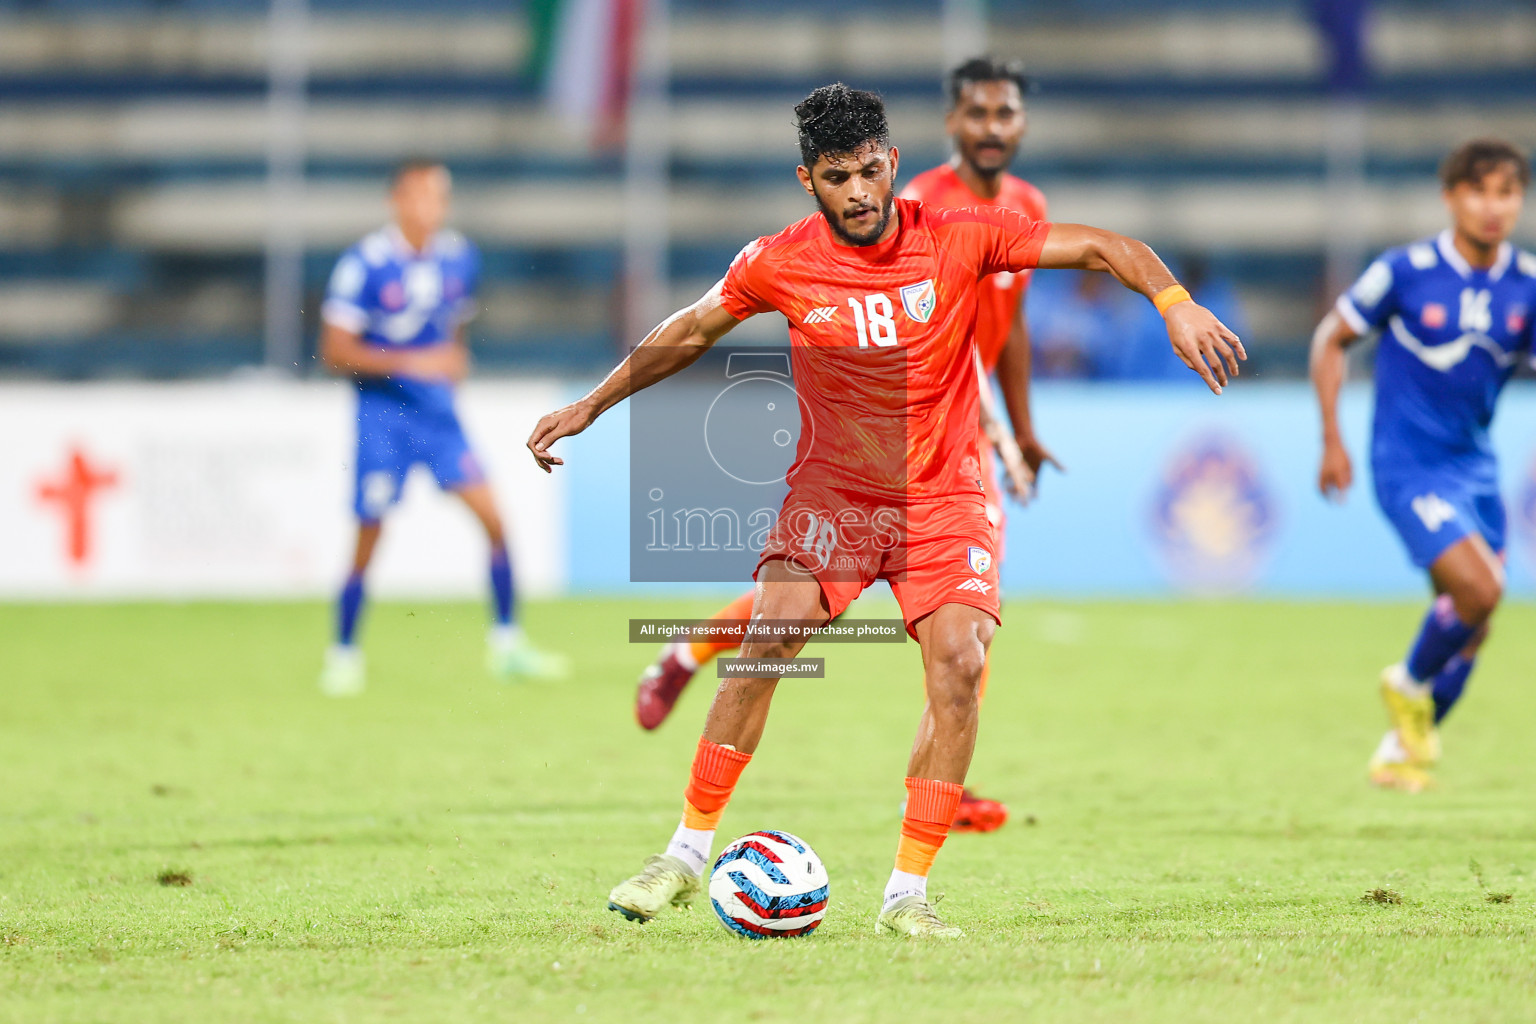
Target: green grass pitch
(1192, 837)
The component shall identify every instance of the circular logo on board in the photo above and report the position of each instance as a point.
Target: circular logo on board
(1213, 515)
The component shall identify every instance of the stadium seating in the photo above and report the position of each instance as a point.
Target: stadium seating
(133, 202)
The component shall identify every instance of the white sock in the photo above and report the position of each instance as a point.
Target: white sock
(1405, 684)
(507, 635)
(902, 884)
(1389, 750)
(682, 650)
(691, 846)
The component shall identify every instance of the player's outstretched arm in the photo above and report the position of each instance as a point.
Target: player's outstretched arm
(1329, 367)
(1204, 343)
(674, 345)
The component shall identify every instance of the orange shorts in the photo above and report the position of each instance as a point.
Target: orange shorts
(933, 553)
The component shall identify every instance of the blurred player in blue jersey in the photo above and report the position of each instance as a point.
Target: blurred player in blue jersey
(1454, 313)
(394, 318)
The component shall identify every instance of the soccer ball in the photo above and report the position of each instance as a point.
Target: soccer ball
(769, 885)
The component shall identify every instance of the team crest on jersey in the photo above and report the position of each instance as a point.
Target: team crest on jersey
(1433, 316)
(919, 300)
(1514, 319)
(979, 558)
(392, 295)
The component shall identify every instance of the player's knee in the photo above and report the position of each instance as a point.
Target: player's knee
(956, 667)
(1477, 599)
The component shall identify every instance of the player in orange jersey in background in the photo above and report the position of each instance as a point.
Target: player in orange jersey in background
(986, 122)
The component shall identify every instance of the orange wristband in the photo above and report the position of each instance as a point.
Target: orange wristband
(1170, 296)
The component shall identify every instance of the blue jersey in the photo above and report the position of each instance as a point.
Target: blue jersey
(395, 297)
(1451, 335)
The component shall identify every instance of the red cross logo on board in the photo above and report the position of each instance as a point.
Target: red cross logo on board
(73, 492)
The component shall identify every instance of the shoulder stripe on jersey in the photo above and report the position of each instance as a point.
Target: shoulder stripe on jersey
(1351, 315)
(376, 249)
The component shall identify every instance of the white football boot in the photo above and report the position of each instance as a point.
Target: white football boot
(343, 674)
(665, 880)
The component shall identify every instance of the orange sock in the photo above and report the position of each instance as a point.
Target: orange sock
(715, 771)
(741, 608)
(931, 806)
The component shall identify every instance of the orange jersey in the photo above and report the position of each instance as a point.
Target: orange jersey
(997, 301)
(882, 345)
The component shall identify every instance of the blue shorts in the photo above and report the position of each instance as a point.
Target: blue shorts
(1433, 511)
(392, 437)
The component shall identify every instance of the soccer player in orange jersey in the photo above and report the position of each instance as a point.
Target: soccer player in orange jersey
(986, 123)
(894, 362)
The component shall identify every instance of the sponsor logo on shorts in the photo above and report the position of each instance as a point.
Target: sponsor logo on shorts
(1433, 511)
(980, 559)
(978, 585)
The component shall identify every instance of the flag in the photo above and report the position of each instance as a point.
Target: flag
(584, 56)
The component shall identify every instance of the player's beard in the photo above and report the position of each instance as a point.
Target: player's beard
(989, 164)
(870, 237)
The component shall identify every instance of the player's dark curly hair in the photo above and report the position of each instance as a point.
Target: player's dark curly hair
(836, 120)
(984, 69)
(1471, 160)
